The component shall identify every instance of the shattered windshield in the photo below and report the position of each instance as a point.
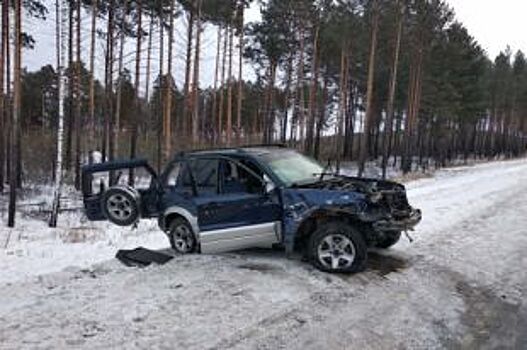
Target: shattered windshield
(292, 168)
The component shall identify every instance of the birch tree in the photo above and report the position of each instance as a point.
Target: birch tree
(3, 114)
(60, 13)
(78, 98)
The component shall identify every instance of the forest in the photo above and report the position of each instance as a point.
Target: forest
(400, 83)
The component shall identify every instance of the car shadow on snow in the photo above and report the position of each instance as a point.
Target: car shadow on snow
(379, 262)
(269, 260)
(384, 264)
(275, 260)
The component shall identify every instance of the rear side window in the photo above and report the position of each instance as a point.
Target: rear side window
(174, 175)
(205, 172)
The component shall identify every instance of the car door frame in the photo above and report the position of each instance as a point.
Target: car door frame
(235, 236)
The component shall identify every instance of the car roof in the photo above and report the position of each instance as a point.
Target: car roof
(240, 151)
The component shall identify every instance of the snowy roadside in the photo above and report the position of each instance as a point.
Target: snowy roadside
(461, 284)
(32, 248)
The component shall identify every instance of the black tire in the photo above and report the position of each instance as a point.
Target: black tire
(390, 239)
(181, 236)
(120, 205)
(349, 248)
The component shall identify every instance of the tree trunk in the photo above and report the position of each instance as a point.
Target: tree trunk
(92, 124)
(269, 115)
(369, 97)
(240, 77)
(350, 119)
(108, 69)
(195, 91)
(287, 88)
(229, 88)
(167, 120)
(78, 101)
(222, 87)
(118, 102)
(185, 122)
(299, 104)
(297, 123)
(313, 94)
(321, 119)
(9, 102)
(413, 110)
(137, 83)
(61, 82)
(16, 115)
(148, 111)
(215, 91)
(3, 119)
(148, 60)
(161, 116)
(388, 130)
(342, 106)
(71, 83)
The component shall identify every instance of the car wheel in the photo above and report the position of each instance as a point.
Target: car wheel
(338, 247)
(120, 205)
(181, 236)
(390, 239)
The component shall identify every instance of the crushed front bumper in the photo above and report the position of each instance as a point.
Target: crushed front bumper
(393, 224)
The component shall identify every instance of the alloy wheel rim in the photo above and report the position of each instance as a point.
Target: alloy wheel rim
(182, 238)
(336, 251)
(120, 207)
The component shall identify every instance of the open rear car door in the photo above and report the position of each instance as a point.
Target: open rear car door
(109, 194)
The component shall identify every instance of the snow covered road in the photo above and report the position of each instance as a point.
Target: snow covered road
(461, 284)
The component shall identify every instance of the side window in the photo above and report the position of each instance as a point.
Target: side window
(205, 172)
(237, 179)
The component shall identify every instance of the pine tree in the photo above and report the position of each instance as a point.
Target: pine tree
(137, 84)
(368, 118)
(15, 134)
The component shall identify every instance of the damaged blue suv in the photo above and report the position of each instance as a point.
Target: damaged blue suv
(215, 201)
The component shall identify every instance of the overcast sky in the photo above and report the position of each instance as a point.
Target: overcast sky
(494, 25)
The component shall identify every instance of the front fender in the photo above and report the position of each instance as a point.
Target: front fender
(302, 205)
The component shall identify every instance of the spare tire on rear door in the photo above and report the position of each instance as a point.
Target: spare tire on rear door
(121, 205)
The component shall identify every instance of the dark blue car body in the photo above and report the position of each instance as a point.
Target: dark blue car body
(257, 208)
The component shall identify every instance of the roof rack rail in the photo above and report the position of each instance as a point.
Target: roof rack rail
(239, 148)
(278, 145)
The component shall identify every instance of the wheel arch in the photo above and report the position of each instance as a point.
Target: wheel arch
(319, 217)
(175, 212)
